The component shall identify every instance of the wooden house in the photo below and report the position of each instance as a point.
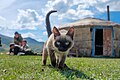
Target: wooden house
(95, 37)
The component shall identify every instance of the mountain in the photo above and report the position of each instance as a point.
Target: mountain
(5, 43)
(33, 44)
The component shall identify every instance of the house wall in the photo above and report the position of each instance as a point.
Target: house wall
(82, 41)
(117, 42)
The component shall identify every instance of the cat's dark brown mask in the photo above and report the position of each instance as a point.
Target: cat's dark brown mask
(63, 40)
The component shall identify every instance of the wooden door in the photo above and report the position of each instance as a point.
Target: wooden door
(107, 42)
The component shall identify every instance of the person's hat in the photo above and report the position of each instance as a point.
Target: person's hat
(11, 44)
(25, 41)
(16, 33)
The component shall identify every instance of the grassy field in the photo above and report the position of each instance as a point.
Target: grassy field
(30, 68)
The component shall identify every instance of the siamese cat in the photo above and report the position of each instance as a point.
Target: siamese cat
(58, 46)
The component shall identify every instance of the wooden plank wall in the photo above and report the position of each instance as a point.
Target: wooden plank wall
(107, 42)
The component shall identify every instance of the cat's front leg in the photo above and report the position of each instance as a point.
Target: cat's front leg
(62, 64)
(52, 57)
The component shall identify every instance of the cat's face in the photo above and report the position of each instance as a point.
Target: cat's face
(62, 44)
(63, 41)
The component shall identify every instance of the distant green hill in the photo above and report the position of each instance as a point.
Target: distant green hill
(34, 45)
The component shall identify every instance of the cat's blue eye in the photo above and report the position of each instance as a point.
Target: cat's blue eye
(58, 43)
(67, 43)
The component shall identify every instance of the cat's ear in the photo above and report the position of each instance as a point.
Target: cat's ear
(56, 32)
(71, 32)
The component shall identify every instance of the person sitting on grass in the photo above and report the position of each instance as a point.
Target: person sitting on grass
(15, 47)
(11, 51)
(20, 46)
(17, 41)
(26, 48)
(18, 38)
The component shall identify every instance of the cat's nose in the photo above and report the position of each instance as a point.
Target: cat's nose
(62, 49)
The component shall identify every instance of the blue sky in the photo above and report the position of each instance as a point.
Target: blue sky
(28, 16)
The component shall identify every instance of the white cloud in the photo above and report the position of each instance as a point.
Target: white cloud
(4, 24)
(101, 5)
(32, 35)
(5, 3)
(40, 40)
(28, 19)
(77, 9)
(29, 34)
(7, 32)
(2, 21)
(6, 27)
(45, 33)
(114, 5)
(61, 6)
(65, 10)
(2, 18)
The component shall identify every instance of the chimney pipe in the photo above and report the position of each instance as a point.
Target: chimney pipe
(108, 13)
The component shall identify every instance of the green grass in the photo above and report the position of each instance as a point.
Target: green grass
(30, 68)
